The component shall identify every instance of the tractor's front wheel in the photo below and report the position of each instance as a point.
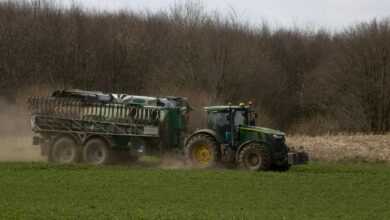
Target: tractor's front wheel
(254, 157)
(202, 151)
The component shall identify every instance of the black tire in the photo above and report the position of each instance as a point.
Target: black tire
(64, 150)
(97, 152)
(202, 151)
(254, 157)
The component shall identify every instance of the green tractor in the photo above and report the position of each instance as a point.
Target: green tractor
(232, 138)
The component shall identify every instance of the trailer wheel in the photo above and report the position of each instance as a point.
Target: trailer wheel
(64, 151)
(254, 157)
(97, 152)
(202, 151)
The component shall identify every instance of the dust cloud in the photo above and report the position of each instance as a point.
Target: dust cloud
(174, 162)
(15, 134)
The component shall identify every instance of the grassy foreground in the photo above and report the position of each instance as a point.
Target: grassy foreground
(316, 191)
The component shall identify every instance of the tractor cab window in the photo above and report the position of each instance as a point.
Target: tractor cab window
(240, 118)
(220, 123)
(218, 120)
(252, 116)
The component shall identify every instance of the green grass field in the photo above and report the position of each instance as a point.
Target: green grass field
(316, 191)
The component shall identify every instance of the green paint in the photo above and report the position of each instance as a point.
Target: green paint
(263, 130)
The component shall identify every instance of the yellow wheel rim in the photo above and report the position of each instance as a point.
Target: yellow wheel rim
(202, 154)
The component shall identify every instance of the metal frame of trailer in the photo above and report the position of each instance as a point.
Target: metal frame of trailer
(67, 115)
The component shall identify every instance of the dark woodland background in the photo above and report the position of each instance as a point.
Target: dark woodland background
(301, 80)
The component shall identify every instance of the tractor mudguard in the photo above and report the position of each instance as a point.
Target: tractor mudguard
(202, 131)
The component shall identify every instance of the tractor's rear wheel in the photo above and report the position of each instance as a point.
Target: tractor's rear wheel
(64, 150)
(254, 157)
(202, 151)
(97, 152)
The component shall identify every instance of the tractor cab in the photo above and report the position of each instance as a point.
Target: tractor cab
(226, 121)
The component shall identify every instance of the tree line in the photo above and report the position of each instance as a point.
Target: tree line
(302, 81)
